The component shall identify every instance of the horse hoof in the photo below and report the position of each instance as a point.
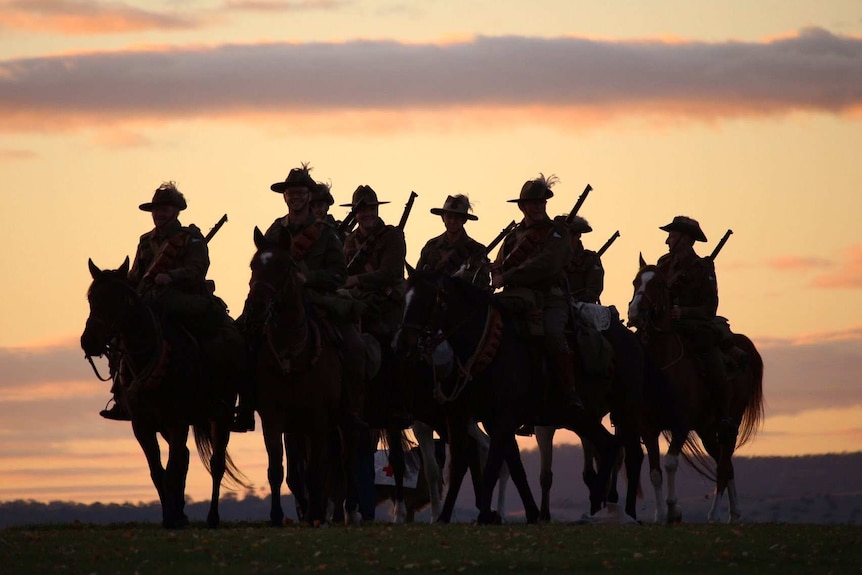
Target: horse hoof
(489, 518)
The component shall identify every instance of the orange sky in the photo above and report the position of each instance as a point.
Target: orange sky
(745, 117)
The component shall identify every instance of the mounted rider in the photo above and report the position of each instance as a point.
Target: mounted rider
(693, 290)
(169, 271)
(316, 248)
(375, 253)
(584, 271)
(454, 252)
(531, 263)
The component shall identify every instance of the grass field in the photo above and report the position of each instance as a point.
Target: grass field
(461, 548)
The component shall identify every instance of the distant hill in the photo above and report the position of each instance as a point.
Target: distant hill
(807, 489)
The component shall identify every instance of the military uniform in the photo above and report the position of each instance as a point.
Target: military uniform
(586, 276)
(464, 255)
(693, 288)
(533, 258)
(316, 248)
(377, 261)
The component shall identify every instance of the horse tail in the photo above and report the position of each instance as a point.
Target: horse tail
(235, 479)
(755, 408)
(696, 456)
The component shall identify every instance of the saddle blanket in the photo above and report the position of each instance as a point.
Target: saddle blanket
(595, 315)
(383, 474)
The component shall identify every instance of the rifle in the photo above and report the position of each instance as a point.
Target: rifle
(215, 229)
(720, 245)
(349, 221)
(581, 199)
(407, 207)
(500, 237)
(608, 243)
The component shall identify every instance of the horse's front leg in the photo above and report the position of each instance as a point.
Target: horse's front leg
(176, 472)
(148, 440)
(458, 464)
(545, 442)
(634, 457)
(512, 458)
(425, 437)
(399, 469)
(655, 474)
(273, 430)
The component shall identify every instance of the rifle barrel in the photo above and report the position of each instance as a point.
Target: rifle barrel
(720, 245)
(215, 228)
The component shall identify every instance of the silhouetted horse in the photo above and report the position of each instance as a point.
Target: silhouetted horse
(649, 311)
(299, 389)
(622, 399)
(170, 383)
(497, 383)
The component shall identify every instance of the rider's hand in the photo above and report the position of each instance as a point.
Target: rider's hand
(352, 281)
(163, 279)
(301, 277)
(676, 312)
(497, 280)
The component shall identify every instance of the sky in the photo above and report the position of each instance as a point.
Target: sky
(746, 116)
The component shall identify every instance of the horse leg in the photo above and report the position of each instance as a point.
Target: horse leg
(272, 439)
(218, 435)
(512, 458)
(545, 442)
(479, 460)
(655, 475)
(399, 468)
(297, 473)
(176, 472)
(634, 457)
(458, 464)
(149, 443)
(317, 444)
(671, 466)
(590, 429)
(425, 437)
(348, 457)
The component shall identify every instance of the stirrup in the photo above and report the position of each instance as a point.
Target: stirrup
(525, 431)
(115, 413)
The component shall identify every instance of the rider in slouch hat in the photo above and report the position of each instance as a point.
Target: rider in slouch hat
(533, 257)
(169, 270)
(454, 252)
(375, 253)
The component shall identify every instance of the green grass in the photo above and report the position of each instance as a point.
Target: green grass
(383, 548)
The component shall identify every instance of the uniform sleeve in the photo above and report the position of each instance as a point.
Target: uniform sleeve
(274, 231)
(424, 256)
(195, 262)
(332, 274)
(707, 292)
(545, 267)
(391, 249)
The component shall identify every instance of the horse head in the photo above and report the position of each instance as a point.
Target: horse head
(273, 269)
(111, 298)
(650, 304)
(419, 300)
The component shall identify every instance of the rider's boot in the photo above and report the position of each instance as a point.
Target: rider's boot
(565, 368)
(116, 412)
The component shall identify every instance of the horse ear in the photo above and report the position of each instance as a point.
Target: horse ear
(124, 268)
(641, 260)
(410, 270)
(259, 239)
(94, 271)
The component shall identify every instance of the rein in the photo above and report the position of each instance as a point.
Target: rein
(465, 370)
(112, 373)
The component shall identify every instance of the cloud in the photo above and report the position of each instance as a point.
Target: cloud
(284, 5)
(567, 78)
(796, 263)
(85, 17)
(17, 154)
(848, 276)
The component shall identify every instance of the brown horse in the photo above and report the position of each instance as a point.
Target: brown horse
(170, 384)
(686, 404)
(299, 391)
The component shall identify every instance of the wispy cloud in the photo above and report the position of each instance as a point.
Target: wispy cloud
(284, 5)
(17, 154)
(796, 263)
(568, 77)
(83, 17)
(849, 274)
